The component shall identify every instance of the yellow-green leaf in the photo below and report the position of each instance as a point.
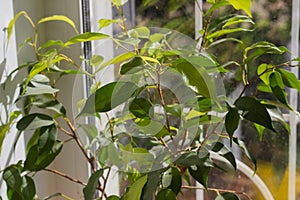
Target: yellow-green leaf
(59, 18)
(244, 5)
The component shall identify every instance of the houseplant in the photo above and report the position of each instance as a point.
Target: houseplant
(165, 114)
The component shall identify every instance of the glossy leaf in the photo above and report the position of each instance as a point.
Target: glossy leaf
(90, 188)
(254, 111)
(223, 151)
(12, 177)
(133, 66)
(289, 79)
(85, 37)
(140, 107)
(37, 160)
(108, 97)
(53, 105)
(172, 179)
(28, 188)
(200, 174)
(34, 121)
(277, 86)
(118, 59)
(58, 18)
(135, 190)
(232, 120)
(198, 78)
(244, 5)
(166, 194)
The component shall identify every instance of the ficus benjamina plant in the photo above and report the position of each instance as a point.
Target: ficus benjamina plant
(167, 117)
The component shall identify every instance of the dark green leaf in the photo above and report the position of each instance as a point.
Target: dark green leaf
(200, 174)
(47, 139)
(135, 190)
(151, 185)
(13, 179)
(28, 188)
(229, 196)
(277, 87)
(223, 151)
(133, 66)
(254, 111)
(85, 37)
(90, 188)
(140, 107)
(192, 158)
(53, 105)
(108, 97)
(232, 120)
(34, 121)
(172, 179)
(166, 194)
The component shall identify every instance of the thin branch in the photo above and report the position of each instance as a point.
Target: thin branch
(105, 182)
(218, 190)
(111, 127)
(65, 176)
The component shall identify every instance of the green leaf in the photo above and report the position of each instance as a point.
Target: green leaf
(119, 2)
(199, 78)
(140, 32)
(135, 190)
(108, 97)
(53, 105)
(152, 184)
(12, 23)
(117, 59)
(106, 22)
(90, 188)
(140, 107)
(191, 158)
(85, 37)
(228, 196)
(223, 151)
(133, 66)
(254, 111)
(172, 179)
(51, 43)
(40, 89)
(200, 174)
(113, 197)
(242, 145)
(96, 60)
(289, 79)
(244, 5)
(277, 86)
(236, 19)
(13, 179)
(34, 121)
(37, 160)
(264, 71)
(58, 18)
(260, 129)
(232, 120)
(166, 194)
(90, 129)
(225, 32)
(28, 188)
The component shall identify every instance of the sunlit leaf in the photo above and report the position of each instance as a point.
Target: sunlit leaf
(244, 5)
(12, 23)
(85, 37)
(118, 59)
(106, 22)
(119, 2)
(58, 18)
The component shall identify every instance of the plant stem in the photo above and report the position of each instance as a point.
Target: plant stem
(111, 127)
(105, 182)
(65, 176)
